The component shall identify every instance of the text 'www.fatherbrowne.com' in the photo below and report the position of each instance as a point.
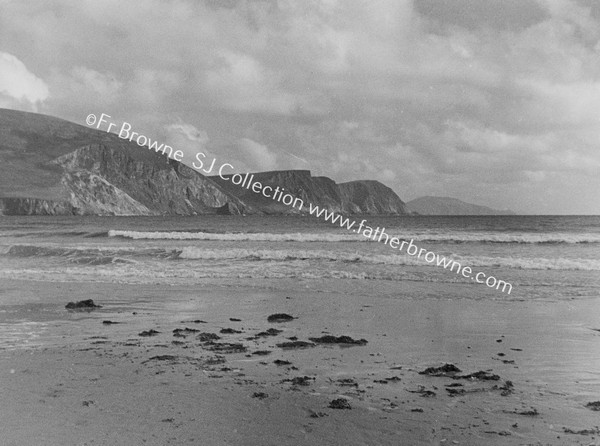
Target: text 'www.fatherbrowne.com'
(276, 193)
(379, 235)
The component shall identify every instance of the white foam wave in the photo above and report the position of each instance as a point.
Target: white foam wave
(240, 237)
(114, 255)
(196, 253)
(124, 275)
(530, 263)
(505, 237)
(438, 237)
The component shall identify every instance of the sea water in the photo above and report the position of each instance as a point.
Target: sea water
(547, 257)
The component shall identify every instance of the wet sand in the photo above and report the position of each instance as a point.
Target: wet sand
(69, 378)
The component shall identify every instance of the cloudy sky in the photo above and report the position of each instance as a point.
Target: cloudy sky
(495, 102)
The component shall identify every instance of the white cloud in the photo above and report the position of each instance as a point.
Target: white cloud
(18, 83)
(575, 104)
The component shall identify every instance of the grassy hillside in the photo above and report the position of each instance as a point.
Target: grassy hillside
(28, 141)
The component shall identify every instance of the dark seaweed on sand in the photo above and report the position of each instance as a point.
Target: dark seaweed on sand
(148, 333)
(281, 362)
(280, 317)
(594, 405)
(229, 331)
(182, 332)
(87, 304)
(339, 403)
(347, 340)
(455, 391)
(262, 352)
(208, 337)
(445, 370)
(162, 358)
(530, 413)
(295, 344)
(507, 388)
(300, 380)
(479, 376)
(423, 392)
(269, 332)
(593, 431)
(392, 379)
(226, 347)
(181, 359)
(348, 382)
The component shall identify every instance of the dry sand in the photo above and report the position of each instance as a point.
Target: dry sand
(69, 379)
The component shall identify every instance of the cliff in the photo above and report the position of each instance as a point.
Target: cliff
(370, 197)
(299, 183)
(104, 180)
(450, 206)
(49, 166)
(356, 197)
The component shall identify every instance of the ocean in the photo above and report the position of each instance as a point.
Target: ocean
(542, 257)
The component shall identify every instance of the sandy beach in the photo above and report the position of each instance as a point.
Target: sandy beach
(218, 372)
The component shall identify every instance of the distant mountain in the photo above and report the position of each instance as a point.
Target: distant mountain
(450, 206)
(49, 166)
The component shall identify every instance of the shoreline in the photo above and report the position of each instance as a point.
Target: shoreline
(98, 384)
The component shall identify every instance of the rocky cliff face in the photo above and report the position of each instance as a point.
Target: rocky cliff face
(371, 198)
(356, 197)
(92, 194)
(49, 166)
(103, 180)
(299, 183)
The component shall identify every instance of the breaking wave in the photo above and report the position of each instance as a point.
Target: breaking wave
(240, 237)
(84, 256)
(347, 236)
(195, 253)
(240, 256)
